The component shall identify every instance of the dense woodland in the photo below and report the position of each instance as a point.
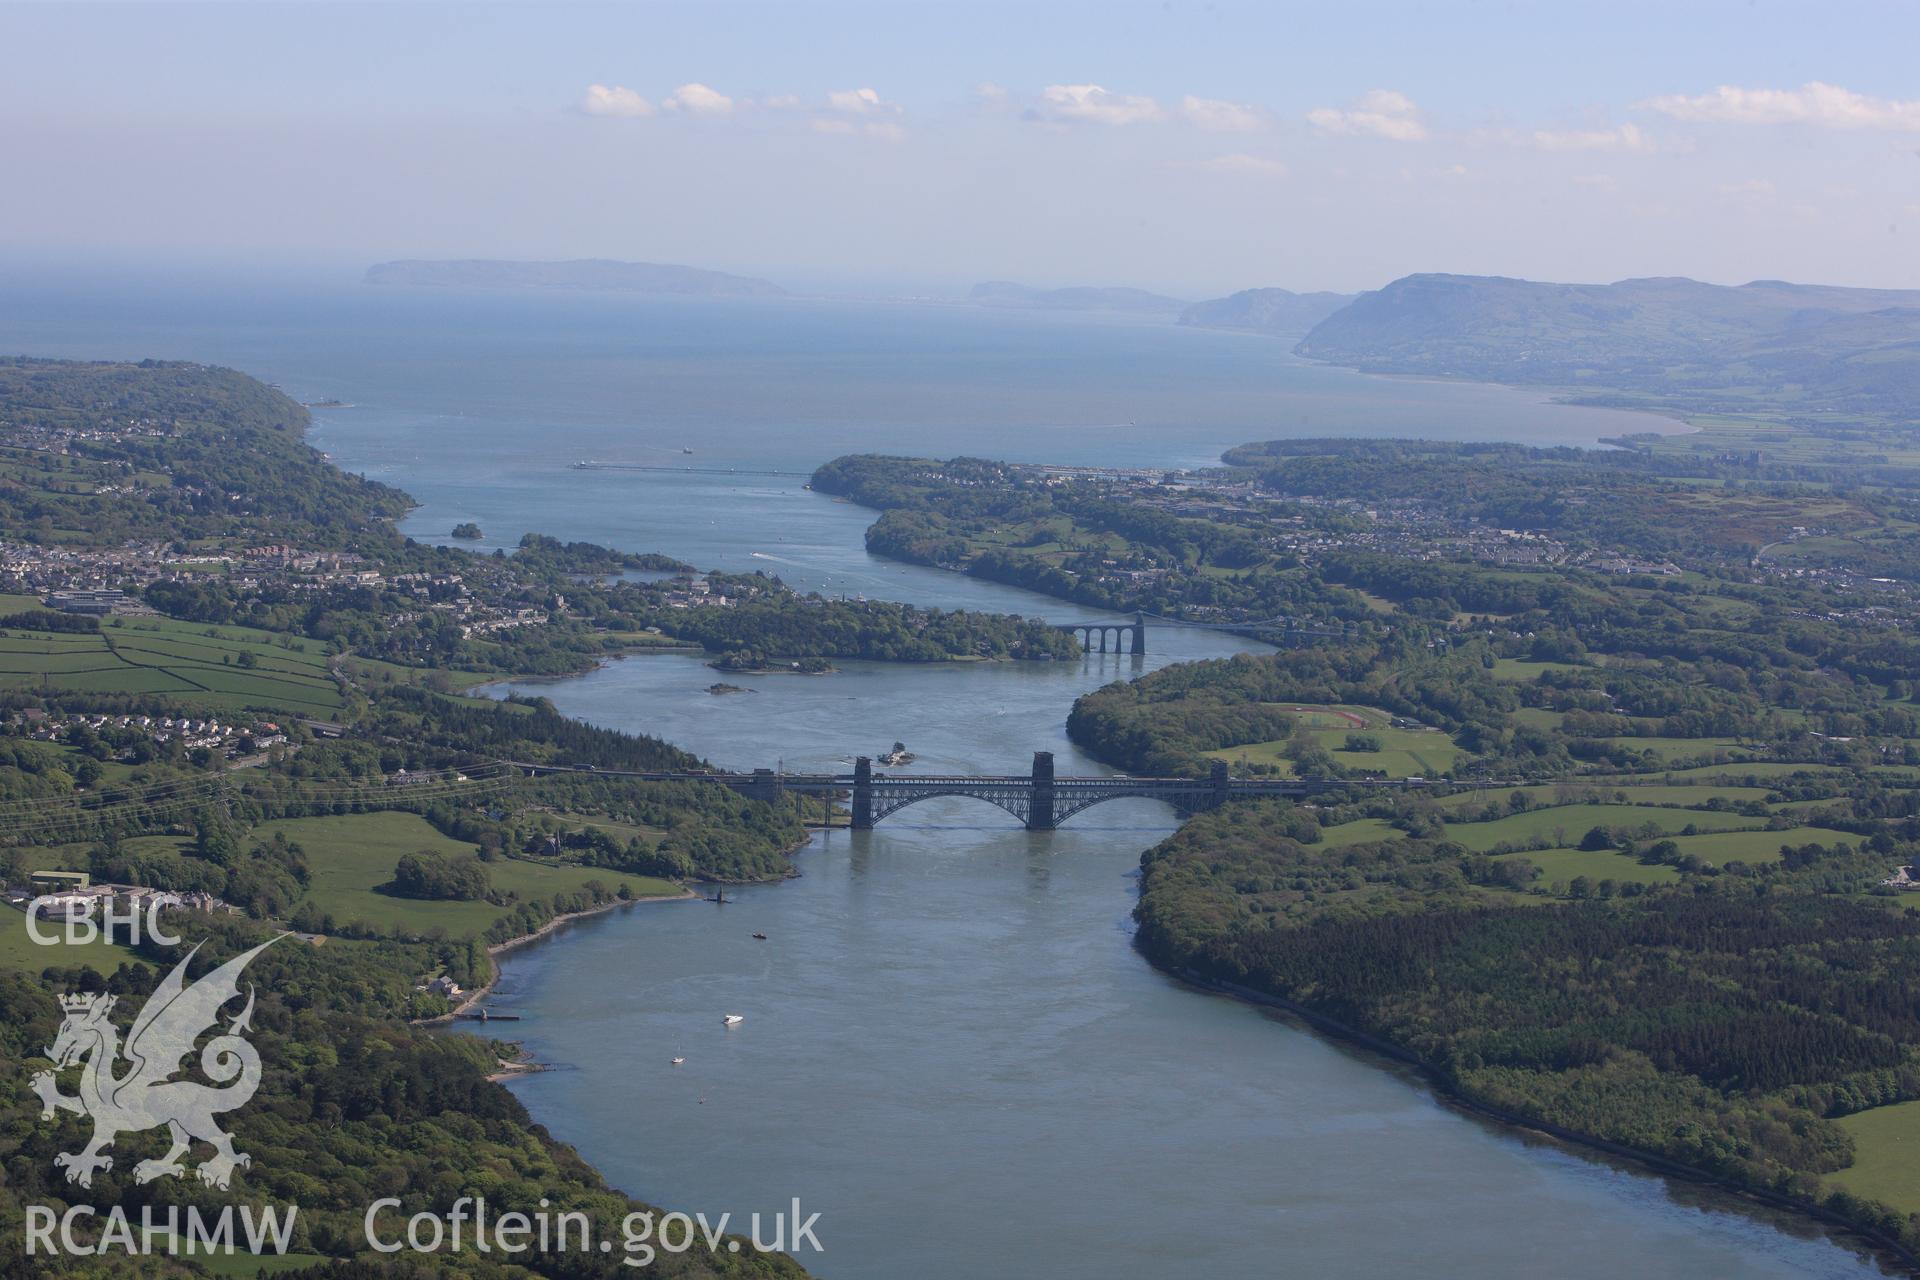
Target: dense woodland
(1723, 1027)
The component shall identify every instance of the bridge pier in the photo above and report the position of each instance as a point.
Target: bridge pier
(1040, 811)
(1124, 637)
(862, 815)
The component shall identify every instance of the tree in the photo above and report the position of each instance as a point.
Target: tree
(434, 876)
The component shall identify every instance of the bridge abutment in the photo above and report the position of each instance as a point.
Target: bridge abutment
(767, 786)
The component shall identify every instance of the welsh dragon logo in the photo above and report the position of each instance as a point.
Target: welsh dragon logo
(144, 1096)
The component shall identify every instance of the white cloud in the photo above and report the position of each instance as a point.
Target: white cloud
(1092, 104)
(1224, 117)
(1626, 137)
(1823, 105)
(616, 101)
(1242, 163)
(1751, 187)
(855, 101)
(856, 111)
(696, 99)
(1381, 113)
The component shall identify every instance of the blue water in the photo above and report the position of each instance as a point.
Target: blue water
(951, 1050)
(478, 401)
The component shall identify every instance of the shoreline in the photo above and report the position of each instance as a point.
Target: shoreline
(1881, 1248)
(497, 949)
(1568, 397)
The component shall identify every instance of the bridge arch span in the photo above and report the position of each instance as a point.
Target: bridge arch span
(885, 805)
(1063, 811)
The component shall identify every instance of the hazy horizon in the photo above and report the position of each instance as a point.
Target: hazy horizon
(1188, 149)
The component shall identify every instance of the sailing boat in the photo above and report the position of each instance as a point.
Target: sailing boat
(732, 1019)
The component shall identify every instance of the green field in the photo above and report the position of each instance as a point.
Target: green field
(1566, 824)
(1635, 789)
(352, 853)
(623, 830)
(1565, 864)
(1404, 753)
(197, 665)
(1690, 793)
(1754, 769)
(1520, 670)
(1361, 831)
(21, 954)
(1758, 846)
(1886, 1156)
(380, 671)
(1670, 749)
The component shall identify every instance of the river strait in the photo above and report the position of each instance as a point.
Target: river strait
(951, 1051)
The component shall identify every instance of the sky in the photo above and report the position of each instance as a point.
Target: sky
(1190, 148)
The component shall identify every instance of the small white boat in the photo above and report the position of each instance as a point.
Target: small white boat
(678, 1061)
(732, 1020)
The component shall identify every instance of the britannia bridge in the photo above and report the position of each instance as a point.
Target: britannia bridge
(1040, 799)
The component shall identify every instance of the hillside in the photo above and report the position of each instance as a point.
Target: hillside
(1005, 293)
(584, 273)
(1279, 312)
(1699, 346)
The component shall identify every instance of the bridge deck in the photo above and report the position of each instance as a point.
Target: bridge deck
(842, 781)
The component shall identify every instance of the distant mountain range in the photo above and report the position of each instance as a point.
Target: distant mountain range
(1678, 340)
(1279, 312)
(1005, 293)
(584, 273)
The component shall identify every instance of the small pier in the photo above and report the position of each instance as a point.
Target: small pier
(487, 1015)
